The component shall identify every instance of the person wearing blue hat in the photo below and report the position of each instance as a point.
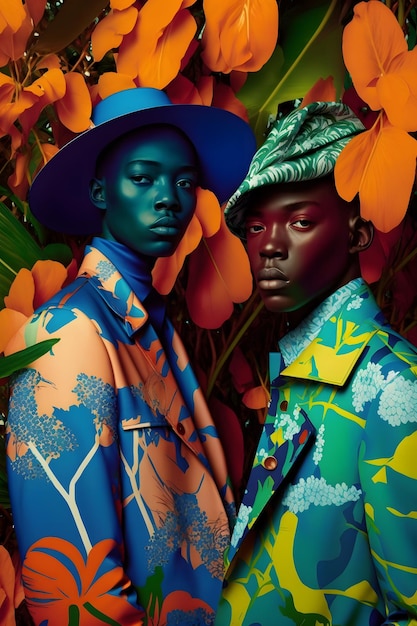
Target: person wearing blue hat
(118, 480)
(326, 532)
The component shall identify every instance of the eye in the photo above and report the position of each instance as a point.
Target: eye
(253, 228)
(141, 179)
(187, 183)
(302, 224)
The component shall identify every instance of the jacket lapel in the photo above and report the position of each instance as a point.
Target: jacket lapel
(286, 434)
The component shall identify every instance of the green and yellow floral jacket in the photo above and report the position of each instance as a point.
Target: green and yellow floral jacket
(327, 529)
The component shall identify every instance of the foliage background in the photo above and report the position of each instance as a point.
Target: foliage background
(257, 58)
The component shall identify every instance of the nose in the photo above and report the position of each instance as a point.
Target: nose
(166, 196)
(274, 243)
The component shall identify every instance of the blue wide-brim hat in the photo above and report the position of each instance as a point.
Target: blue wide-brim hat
(225, 144)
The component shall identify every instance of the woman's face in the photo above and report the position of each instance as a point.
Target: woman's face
(147, 190)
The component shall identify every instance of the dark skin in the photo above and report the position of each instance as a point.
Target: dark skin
(146, 188)
(303, 243)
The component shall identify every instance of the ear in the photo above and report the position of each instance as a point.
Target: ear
(97, 193)
(362, 234)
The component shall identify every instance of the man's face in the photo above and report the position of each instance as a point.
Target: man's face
(299, 240)
(148, 181)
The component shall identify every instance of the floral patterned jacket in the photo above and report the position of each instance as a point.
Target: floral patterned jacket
(117, 477)
(327, 530)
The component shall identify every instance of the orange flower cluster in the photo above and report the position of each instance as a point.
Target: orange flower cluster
(380, 164)
(158, 40)
(30, 84)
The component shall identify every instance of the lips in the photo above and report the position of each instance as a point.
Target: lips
(166, 226)
(271, 278)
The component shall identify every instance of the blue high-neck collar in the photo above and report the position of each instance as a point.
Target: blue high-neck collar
(135, 269)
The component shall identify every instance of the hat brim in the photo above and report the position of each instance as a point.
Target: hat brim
(59, 195)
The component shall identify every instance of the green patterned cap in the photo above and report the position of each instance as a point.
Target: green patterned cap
(300, 146)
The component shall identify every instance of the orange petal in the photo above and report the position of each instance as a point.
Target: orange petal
(18, 181)
(10, 322)
(182, 91)
(369, 164)
(214, 283)
(21, 293)
(13, 41)
(47, 89)
(166, 269)
(370, 42)
(74, 109)
(394, 159)
(160, 66)
(352, 163)
(397, 91)
(323, 90)
(109, 32)
(48, 276)
(208, 212)
(225, 98)
(239, 34)
(255, 398)
(36, 10)
(12, 15)
(113, 82)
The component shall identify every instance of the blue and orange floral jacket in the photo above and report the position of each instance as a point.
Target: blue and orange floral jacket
(327, 530)
(118, 481)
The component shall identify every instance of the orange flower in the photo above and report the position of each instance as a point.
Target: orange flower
(382, 68)
(50, 584)
(218, 276)
(152, 52)
(109, 32)
(26, 89)
(28, 291)
(239, 34)
(380, 163)
(204, 223)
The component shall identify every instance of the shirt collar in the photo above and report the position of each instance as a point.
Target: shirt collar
(296, 340)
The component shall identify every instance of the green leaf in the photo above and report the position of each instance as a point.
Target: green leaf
(309, 48)
(58, 252)
(17, 249)
(13, 362)
(72, 19)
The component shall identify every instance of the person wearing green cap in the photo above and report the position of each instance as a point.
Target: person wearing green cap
(118, 480)
(327, 528)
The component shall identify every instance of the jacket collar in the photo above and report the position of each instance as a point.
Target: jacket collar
(333, 352)
(113, 289)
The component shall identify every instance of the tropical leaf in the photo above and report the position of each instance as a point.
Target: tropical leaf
(16, 361)
(309, 48)
(19, 249)
(72, 19)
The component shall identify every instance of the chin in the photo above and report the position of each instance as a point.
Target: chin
(276, 303)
